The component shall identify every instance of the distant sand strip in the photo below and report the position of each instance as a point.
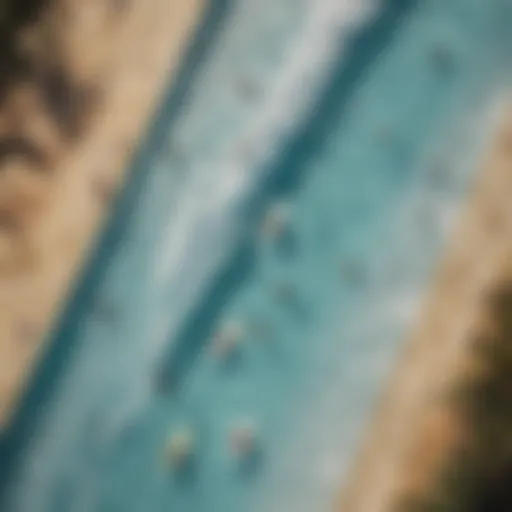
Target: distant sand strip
(56, 192)
(416, 431)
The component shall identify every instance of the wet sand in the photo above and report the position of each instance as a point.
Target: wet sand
(417, 432)
(69, 124)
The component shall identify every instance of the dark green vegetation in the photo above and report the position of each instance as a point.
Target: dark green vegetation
(32, 60)
(14, 16)
(479, 478)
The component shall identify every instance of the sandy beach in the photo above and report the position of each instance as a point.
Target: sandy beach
(416, 432)
(62, 163)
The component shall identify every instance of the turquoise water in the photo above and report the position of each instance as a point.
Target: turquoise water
(367, 133)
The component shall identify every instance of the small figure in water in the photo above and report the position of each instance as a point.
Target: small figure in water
(288, 296)
(163, 382)
(226, 341)
(105, 311)
(243, 439)
(352, 272)
(287, 293)
(277, 227)
(247, 89)
(276, 222)
(180, 448)
(261, 330)
(439, 175)
(442, 58)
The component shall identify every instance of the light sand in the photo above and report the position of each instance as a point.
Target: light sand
(49, 219)
(415, 431)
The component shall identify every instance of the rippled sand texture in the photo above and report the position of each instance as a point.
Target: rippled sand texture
(420, 438)
(85, 79)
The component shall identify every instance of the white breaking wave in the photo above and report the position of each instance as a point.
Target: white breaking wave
(203, 228)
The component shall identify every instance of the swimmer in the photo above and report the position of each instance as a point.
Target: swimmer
(439, 175)
(247, 88)
(180, 448)
(243, 439)
(286, 293)
(276, 222)
(261, 329)
(163, 383)
(105, 311)
(353, 272)
(227, 339)
(441, 57)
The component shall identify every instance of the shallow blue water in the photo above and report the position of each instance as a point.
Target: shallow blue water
(350, 126)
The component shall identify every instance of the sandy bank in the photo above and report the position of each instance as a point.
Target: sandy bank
(92, 74)
(417, 431)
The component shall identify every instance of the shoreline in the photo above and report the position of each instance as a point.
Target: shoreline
(416, 432)
(65, 195)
